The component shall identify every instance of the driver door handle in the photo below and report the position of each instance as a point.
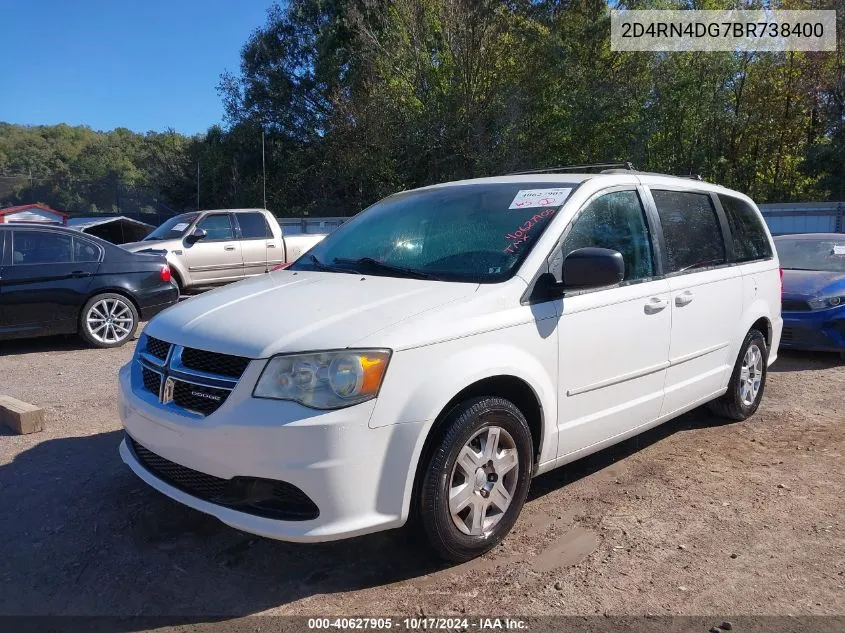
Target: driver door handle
(80, 273)
(684, 299)
(229, 248)
(655, 305)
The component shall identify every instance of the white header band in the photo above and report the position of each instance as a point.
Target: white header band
(734, 30)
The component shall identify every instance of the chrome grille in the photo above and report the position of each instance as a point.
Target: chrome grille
(156, 347)
(152, 380)
(199, 398)
(191, 379)
(214, 362)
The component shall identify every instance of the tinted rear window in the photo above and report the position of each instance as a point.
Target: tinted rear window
(85, 251)
(691, 230)
(36, 247)
(253, 226)
(748, 236)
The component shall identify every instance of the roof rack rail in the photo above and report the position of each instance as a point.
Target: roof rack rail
(653, 173)
(627, 166)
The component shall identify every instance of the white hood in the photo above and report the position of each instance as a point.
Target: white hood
(287, 311)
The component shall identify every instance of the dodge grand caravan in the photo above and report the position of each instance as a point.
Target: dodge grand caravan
(436, 352)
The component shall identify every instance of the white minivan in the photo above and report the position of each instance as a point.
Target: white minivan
(446, 345)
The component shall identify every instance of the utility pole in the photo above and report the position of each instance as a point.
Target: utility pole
(198, 185)
(263, 168)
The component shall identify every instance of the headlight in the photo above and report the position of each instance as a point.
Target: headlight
(324, 380)
(820, 303)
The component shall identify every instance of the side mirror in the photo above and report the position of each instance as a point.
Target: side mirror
(196, 235)
(592, 268)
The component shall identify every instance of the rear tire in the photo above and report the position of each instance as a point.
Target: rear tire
(477, 478)
(108, 320)
(748, 380)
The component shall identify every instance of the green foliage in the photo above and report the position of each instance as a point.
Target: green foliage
(364, 97)
(360, 98)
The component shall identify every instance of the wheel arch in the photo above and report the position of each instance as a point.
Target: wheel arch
(508, 386)
(117, 290)
(757, 315)
(179, 271)
(764, 325)
(177, 277)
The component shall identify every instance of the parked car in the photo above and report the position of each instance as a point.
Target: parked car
(209, 248)
(56, 281)
(813, 291)
(437, 351)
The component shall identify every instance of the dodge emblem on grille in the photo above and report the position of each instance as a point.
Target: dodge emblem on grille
(167, 391)
(207, 396)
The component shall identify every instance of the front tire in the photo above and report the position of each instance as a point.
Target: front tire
(477, 479)
(108, 320)
(748, 380)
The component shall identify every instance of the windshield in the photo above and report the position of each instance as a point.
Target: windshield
(173, 228)
(475, 233)
(812, 254)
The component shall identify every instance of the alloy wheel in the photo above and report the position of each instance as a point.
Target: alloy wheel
(483, 481)
(109, 321)
(751, 375)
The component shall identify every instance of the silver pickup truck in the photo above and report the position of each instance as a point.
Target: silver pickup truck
(206, 248)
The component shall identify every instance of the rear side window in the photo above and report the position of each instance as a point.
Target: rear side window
(35, 247)
(84, 251)
(218, 227)
(747, 233)
(691, 230)
(253, 226)
(616, 221)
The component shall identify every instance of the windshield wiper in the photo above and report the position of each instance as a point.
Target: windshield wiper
(375, 265)
(326, 267)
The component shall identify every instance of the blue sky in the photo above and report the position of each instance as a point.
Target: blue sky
(144, 65)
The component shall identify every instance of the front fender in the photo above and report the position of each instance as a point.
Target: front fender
(180, 268)
(421, 382)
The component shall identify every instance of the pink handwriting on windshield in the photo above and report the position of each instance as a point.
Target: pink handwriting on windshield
(521, 234)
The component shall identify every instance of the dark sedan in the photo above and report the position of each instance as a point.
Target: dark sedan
(813, 304)
(55, 280)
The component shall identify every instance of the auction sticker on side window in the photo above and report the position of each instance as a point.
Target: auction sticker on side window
(839, 249)
(529, 198)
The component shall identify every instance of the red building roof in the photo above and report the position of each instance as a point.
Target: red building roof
(62, 217)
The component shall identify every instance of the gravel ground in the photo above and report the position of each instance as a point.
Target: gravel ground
(695, 517)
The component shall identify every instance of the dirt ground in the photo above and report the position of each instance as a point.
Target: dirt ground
(696, 517)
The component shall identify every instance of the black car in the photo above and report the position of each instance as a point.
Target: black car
(55, 280)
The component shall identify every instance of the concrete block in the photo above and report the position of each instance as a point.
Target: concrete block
(20, 416)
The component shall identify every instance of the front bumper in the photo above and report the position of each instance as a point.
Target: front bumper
(355, 475)
(817, 330)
